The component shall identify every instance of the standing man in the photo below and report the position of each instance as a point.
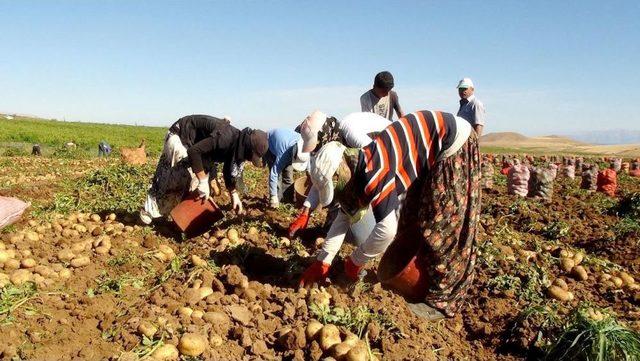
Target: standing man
(471, 108)
(381, 99)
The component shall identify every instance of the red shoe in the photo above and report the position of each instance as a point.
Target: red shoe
(316, 272)
(351, 269)
(299, 224)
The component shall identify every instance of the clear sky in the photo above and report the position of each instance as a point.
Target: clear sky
(540, 67)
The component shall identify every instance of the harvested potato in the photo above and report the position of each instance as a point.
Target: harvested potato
(192, 344)
(19, 277)
(567, 264)
(197, 261)
(28, 263)
(318, 242)
(561, 283)
(328, 337)
(4, 256)
(80, 261)
(627, 280)
(111, 217)
(358, 353)
(580, 273)
(617, 281)
(147, 329)
(233, 235)
(253, 231)
(578, 258)
(166, 352)
(66, 255)
(215, 340)
(340, 350)
(185, 311)
(11, 264)
(351, 339)
(32, 236)
(95, 218)
(197, 314)
(559, 294)
(64, 273)
(204, 292)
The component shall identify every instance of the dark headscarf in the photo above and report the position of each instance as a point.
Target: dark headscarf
(252, 146)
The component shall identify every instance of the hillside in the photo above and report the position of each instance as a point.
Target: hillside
(507, 142)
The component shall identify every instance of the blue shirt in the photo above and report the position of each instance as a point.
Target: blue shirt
(282, 142)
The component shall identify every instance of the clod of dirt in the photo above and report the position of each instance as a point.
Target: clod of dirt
(4, 256)
(220, 322)
(358, 353)
(11, 264)
(65, 255)
(192, 344)
(293, 339)
(235, 277)
(240, 314)
(320, 297)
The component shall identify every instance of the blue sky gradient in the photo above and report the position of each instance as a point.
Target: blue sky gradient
(540, 67)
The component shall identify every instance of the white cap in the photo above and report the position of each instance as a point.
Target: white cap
(323, 166)
(465, 83)
(301, 160)
(309, 129)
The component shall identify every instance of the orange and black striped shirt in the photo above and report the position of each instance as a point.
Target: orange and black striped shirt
(399, 155)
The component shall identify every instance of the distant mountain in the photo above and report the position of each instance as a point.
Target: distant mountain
(519, 140)
(608, 137)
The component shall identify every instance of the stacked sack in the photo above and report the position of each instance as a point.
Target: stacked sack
(625, 167)
(616, 164)
(578, 162)
(518, 180)
(541, 183)
(589, 177)
(506, 165)
(634, 168)
(487, 174)
(569, 171)
(608, 182)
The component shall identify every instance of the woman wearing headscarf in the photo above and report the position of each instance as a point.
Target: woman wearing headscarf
(423, 169)
(191, 146)
(354, 131)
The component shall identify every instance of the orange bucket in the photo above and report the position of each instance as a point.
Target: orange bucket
(401, 269)
(195, 216)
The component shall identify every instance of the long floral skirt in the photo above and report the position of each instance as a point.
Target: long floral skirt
(441, 212)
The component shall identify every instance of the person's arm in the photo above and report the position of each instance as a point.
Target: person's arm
(335, 238)
(195, 154)
(229, 180)
(479, 115)
(273, 178)
(365, 105)
(396, 106)
(478, 128)
(313, 198)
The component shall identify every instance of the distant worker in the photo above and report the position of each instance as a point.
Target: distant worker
(381, 99)
(284, 147)
(71, 145)
(471, 108)
(104, 149)
(35, 150)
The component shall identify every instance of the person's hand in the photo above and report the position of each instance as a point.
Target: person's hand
(351, 270)
(203, 188)
(236, 202)
(314, 273)
(274, 202)
(299, 223)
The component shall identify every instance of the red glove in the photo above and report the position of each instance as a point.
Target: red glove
(316, 272)
(351, 269)
(300, 223)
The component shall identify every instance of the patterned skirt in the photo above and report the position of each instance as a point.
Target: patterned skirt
(439, 219)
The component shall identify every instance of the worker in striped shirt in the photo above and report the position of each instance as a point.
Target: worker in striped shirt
(421, 176)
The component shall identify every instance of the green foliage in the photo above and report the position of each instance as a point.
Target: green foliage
(626, 226)
(54, 134)
(629, 205)
(12, 297)
(119, 188)
(595, 338)
(15, 152)
(107, 284)
(556, 230)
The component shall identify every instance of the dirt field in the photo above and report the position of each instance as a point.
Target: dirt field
(95, 285)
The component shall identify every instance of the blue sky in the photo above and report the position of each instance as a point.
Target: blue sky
(540, 67)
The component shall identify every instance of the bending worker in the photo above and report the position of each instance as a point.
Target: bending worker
(283, 157)
(191, 146)
(437, 154)
(354, 131)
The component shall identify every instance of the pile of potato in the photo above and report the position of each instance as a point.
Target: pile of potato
(618, 280)
(349, 348)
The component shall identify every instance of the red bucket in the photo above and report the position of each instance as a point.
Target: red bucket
(195, 216)
(402, 269)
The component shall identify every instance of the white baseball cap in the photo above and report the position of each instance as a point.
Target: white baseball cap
(309, 129)
(465, 83)
(323, 166)
(301, 159)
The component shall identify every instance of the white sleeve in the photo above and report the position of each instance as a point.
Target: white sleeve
(380, 238)
(313, 198)
(335, 237)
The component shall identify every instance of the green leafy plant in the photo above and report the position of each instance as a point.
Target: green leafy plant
(355, 319)
(556, 230)
(595, 335)
(106, 284)
(12, 297)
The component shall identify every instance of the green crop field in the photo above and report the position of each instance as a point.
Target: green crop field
(19, 134)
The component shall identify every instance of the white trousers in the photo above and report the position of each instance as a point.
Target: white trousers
(380, 238)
